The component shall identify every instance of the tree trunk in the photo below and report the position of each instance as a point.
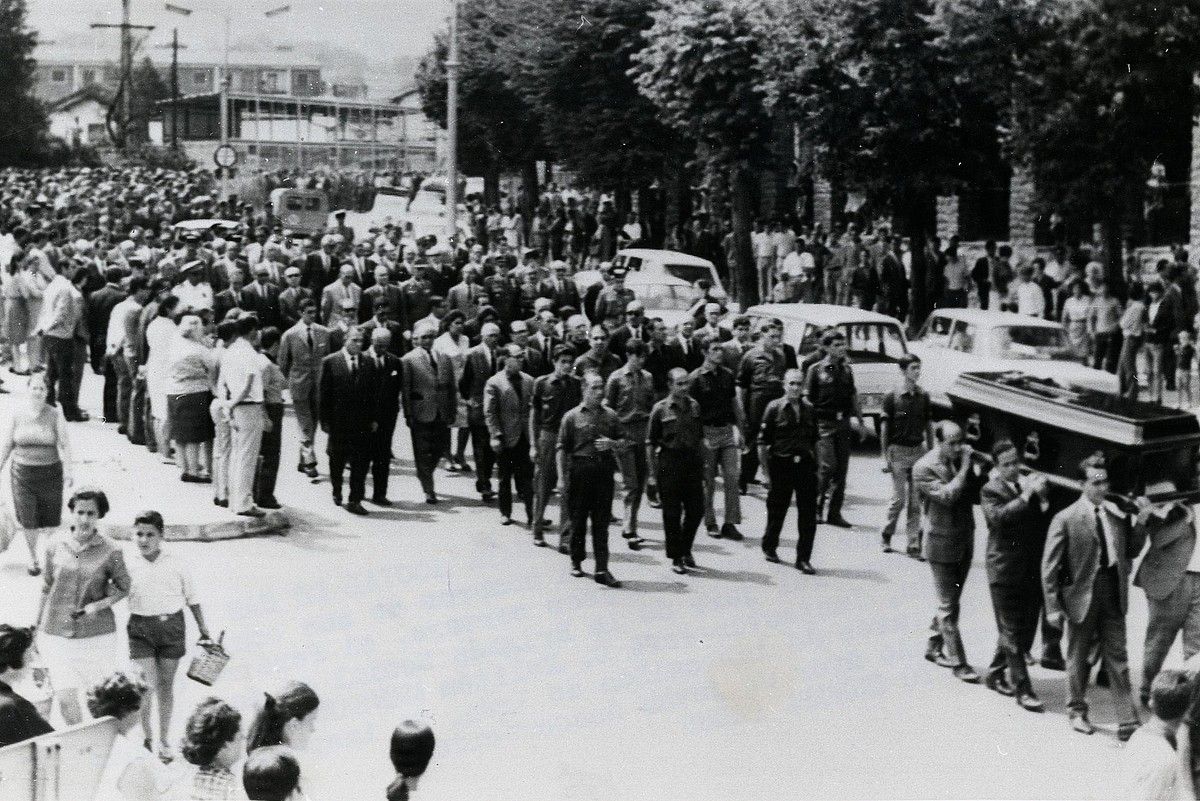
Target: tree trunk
(529, 193)
(743, 277)
(491, 183)
(1111, 239)
(622, 197)
(676, 206)
(912, 218)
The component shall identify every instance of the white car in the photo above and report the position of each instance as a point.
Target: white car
(669, 299)
(658, 264)
(876, 341)
(426, 213)
(956, 341)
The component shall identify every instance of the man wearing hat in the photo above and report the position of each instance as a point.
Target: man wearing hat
(1169, 574)
(633, 329)
(194, 293)
(341, 229)
(292, 298)
(560, 288)
(301, 350)
(614, 298)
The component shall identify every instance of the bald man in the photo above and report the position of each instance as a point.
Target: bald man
(483, 362)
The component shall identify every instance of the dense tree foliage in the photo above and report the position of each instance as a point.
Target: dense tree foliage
(22, 119)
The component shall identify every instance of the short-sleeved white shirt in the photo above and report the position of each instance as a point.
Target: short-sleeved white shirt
(161, 587)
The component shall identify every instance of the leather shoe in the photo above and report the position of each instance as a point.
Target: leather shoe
(381, 502)
(540, 543)
(1053, 660)
(715, 533)
(222, 502)
(678, 567)
(564, 549)
(689, 561)
(729, 532)
(252, 512)
(772, 557)
(887, 547)
(508, 521)
(1029, 701)
(607, 580)
(311, 471)
(1081, 724)
(840, 522)
(966, 673)
(635, 544)
(997, 682)
(577, 571)
(337, 500)
(487, 496)
(1126, 730)
(355, 509)
(806, 568)
(270, 503)
(431, 500)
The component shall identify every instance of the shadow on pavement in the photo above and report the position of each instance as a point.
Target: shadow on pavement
(740, 576)
(674, 587)
(633, 558)
(873, 576)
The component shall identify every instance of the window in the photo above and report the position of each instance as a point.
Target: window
(58, 76)
(666, 297)
(200, 78)
(936, 331)
(874, 341)
(89, 77)
(689, 272)
(1031, 342)
(962, 337)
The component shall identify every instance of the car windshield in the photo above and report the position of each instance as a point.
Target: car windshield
(874, 341)
(689, 272)
(1030, 342)
(666, 297)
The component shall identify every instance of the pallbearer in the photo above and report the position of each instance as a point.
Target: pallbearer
(675, 453)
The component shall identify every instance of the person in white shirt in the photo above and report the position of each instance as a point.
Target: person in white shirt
(1151, 768)
(1031, 301)
(160, 587)
(240, 388)
(194, 293)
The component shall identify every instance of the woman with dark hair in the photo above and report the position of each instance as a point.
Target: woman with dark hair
(212, 743)
(412, 748)
(271, 773)
(85, 577)
(19, 719)
(191, 372)
(287, 718)
(160, 334)
(37, 441)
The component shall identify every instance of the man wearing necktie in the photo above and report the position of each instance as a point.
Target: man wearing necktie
(387, 367)
(1085, 575)
(430, 404)
(480, 366)
(350, 416)
(302, 349)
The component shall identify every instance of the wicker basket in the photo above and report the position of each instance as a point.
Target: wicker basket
(206, 668)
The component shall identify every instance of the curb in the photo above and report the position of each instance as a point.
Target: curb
(275, 523)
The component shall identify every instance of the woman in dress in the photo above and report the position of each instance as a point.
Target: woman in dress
(190, 376)
(35, 438)
(1074, 319)
(85, 576)
(160, 335)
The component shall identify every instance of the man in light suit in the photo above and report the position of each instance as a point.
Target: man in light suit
(430, 403)
(468, 295)
(1170, 576)
(1015, 516)
(946, 485)
(339, 296)
(61, 316)
(507, 399)
(1085, 574)
(301, 350)
(483, 361)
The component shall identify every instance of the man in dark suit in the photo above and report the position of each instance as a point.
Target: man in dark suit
(321, 267)
(262, 297)
(383, 319)
(946, 484)
(1170, 576)
(483, 362)
(430, 403)
(681, 349)
(658, 360)
(349, 407)
(388, 368)
(384, 289)
(1085, 576)
(100, 305)
(292, 298)
(560, 288)
(364, 264)
(1015, 515)
(534, 365)
(415, 295)
(634, 327)
(227, 299)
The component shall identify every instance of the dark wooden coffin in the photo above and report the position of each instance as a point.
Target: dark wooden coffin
(1057, 428)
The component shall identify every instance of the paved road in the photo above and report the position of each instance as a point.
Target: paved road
(743, 680)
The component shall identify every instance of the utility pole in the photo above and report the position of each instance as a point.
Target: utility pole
(175, 89)
(126, 28)
(452, 65)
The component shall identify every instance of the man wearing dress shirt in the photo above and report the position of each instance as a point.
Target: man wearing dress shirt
(302, 349)
(240, 387)
(321, 267)
(430, 403)
(292, 298)
(333, 299)
(388, 368)
(383, 289)
(1085, 576)
(633, 328)
(261, 297)
(349, 403)
(482, 363)
(468, 295)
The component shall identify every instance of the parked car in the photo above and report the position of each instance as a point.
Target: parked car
(876, 341)
(954, 341)
(670, 299)
(668, 263)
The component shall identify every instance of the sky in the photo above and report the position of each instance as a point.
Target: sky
(381, 39)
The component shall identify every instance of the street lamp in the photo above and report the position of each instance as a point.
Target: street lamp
(452, 65)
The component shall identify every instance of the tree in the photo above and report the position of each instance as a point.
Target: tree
(574, 68)
(701, 67)
(497, 128)
(23, 121)
(1096, 105)
(148, 89)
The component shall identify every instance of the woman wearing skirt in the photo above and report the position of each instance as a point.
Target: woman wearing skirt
(35, 438)
(190, 373)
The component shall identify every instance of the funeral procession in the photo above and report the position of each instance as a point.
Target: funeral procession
(599, 399)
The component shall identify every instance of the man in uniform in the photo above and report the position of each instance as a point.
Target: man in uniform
(614, 298)
(759, 381)
(785, 446)
(712, 385)
(553, 396)
(905, 434)
(675, 454)
(630, 393)
(588, 438)
(829, 390)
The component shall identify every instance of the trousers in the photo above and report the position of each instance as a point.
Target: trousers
(545, 476)
(304, 401)
(681, 492)
(136, 427)
(900, 459)
(381, 457)
(110, 392)
(60, 374)
(349, 450)
(721, 453)
(833, 460)
(430, 441)
(245, 442)
(120, 365)
(268, 464)
(485, 460)
(1011, 609)
(756, 404)
(591, 493)
(632, 464)
(1105, 623)
(792, 476)
(515, 468)
(948, 581)
(1179, 611)
(222, 441)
